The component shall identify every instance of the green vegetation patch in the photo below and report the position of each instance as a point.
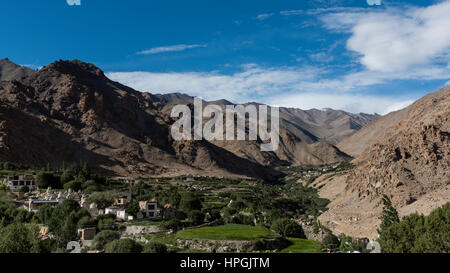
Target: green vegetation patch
(226, 232)
(302, 246)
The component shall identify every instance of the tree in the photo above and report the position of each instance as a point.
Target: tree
(288, 228)
(24, 189)
(123, 246)
(154, 247)
(19, 238)
(196, 217)
(105, 222)
(190, 202)
(67, 176)
(105, 237)
(418, 233)
(74, 185)
(86, 221)
(23, 216)
(102, 199)
(44, 214)
(174, 225)
(47, 179)
(64, 220)
(330, 239)
(132, 210)
(389, 215)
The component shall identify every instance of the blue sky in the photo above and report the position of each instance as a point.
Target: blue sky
(308, 54)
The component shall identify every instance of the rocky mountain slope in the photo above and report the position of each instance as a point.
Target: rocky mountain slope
(11, 71)
(69, 111)
(310, 126)
(409, 162)
(306, 136)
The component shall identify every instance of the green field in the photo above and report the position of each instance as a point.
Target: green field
(302, 246)
(226, 232)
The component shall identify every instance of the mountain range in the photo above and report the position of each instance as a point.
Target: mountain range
(70, 111)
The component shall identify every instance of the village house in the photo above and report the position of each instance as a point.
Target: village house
(17, 182)
(149, 209)
(87, 234)
(34, 205)
(121, 214)
(122, 199)
(112, 210)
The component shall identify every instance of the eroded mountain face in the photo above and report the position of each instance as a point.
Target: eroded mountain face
(407, 157)
(70, 111)
(10, 71)
(412, 157)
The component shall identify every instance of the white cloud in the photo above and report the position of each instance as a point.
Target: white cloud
(398, 105)
(264, 16)
(239, 87)
(161, 49)
(355, 103)
(285, 86)
(395, 39)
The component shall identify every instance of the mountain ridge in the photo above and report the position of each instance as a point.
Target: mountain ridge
(126, 132)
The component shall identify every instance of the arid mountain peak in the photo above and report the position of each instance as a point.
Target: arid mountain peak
(10, 71)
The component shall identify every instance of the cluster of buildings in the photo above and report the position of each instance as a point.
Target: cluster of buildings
(147, 209)
(17, 182)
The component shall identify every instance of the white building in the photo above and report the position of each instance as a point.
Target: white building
(15, 183)
(121, 214)
(111, 210)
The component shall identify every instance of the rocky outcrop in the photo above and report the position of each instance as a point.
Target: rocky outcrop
(10, 71)
(409, 162)
(413, 157)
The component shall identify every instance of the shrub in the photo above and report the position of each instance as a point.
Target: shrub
(196, 217)
(132, 210)
(19, 238)
(331, 239)
(24, 189)
(173, 224)
(105, 223)
(74, 185)
(86, 221)
(105, 237)
(288, 228)
(48, 179)
(155, 247)
(123, 246)
(272, 244)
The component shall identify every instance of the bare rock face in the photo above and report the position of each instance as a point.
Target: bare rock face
(409, 162)
(412, 158)
(10, 71)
